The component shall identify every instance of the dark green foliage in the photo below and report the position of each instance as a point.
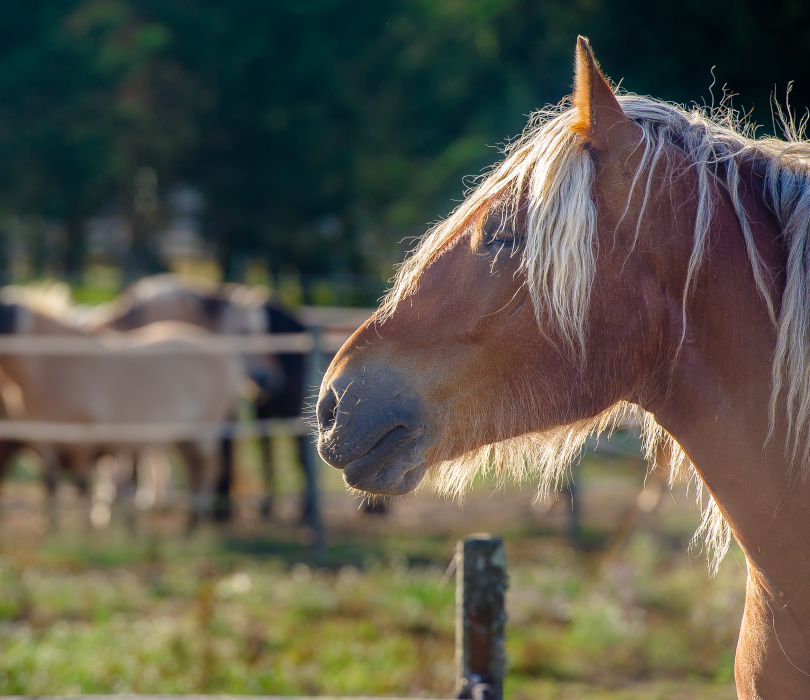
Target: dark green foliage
(322, 132)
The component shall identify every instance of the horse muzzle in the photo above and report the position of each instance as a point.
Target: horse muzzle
(375, 438)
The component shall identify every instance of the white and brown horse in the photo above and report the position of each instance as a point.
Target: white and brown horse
(627, 255)
(232, 310)
(168, 297)
(162, 380)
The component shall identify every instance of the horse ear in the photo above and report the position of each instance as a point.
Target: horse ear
(598, 110)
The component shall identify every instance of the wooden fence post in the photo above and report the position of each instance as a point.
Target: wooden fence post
(481, 583)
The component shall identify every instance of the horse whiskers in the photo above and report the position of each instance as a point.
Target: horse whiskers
(547, 457)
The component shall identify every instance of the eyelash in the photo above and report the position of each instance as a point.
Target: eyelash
(504, 231)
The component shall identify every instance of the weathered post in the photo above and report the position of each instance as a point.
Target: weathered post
(481, 584)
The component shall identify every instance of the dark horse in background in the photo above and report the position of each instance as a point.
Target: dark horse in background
(278, 400)
(628, 257)
(230, 309)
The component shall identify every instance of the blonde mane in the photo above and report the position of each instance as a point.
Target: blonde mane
(559, 257)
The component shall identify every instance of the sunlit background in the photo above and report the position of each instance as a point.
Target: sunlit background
(296, 148)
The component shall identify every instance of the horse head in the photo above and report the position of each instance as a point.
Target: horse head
(527, 315)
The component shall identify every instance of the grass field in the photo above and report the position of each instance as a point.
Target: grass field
(248, 610)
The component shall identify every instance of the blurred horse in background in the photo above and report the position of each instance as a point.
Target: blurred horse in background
(225, 309)
(280, 380)
(52, 300)
(628, 257)
(125, 386)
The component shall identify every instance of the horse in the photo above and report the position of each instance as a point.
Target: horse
(152, 384)
(628, 256)
(281, 380)
(287, 401)
(53, 300)
(167, 297)
(117, 469)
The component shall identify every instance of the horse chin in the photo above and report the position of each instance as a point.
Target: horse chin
(394, 475)
(387, 481)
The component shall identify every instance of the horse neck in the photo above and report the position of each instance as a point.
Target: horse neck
(718, 404)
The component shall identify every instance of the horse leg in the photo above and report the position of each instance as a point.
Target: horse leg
(191, 458)
(222, 496)
(104, 492)
(153, 477)
(201, 461)
(162, 474)
(8, 448)
(311, 512)
(126, 486)
(78, 461)
(145, 492)
(50, 478)
(268, 476)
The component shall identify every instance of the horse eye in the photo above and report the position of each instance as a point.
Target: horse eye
(504, 234)
(498, 230)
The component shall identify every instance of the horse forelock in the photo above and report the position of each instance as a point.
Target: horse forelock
(547, 165)
(559, 258)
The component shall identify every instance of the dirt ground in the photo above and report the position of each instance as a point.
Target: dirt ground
(613, 498)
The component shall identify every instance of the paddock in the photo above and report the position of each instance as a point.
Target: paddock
(591, 515)
(600, 518)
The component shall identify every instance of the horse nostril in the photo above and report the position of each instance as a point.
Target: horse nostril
(327, 410)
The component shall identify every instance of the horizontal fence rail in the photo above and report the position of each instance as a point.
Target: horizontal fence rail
(133, 696)
(78, 433)
(328, 329)
(255, 344)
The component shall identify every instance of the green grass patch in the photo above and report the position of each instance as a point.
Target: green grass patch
(217, 614)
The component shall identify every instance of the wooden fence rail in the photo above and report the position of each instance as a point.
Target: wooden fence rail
(315, 343)
(115, 344)
(146, 433)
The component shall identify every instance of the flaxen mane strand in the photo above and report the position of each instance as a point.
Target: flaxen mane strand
(559, 257)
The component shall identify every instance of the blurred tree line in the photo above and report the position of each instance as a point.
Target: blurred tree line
(323, 132)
